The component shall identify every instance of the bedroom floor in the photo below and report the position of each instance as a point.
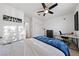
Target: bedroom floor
(73, 50)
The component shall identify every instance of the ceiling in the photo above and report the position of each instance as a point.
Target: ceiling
(30, 9)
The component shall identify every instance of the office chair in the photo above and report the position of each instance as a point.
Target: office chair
(65, 39)
(62, 36)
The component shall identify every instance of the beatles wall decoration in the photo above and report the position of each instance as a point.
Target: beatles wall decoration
(13, 19)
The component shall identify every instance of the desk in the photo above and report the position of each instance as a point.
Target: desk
(72, 37)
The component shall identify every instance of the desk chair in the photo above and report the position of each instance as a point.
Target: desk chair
(62, 36)
(65, 39)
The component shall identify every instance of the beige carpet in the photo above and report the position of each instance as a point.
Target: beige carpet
(74, 51)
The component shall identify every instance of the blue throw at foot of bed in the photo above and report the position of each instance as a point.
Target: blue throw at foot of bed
(56, 43)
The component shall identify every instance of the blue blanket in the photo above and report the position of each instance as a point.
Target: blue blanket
(56, 43)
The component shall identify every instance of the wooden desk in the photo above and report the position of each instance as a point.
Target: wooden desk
(71, 37)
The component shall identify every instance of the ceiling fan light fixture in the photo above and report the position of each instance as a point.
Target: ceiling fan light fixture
(46, 11)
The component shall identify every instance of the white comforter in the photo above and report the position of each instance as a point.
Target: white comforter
(29, 47)
(41, 49)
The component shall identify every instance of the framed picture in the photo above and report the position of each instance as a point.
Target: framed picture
(5, 17)
(13, 19)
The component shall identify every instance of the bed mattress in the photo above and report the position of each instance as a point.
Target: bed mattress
(39, 48)
(29, 47)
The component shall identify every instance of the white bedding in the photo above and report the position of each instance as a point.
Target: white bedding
(41, 49)
(29, 47)
(14, 49)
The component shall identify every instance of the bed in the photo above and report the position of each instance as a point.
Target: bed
(40, 48)
(30, 47)
(12, 48)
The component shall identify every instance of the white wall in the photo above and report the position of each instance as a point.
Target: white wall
(10, 11)
(58, 23)
(76, 32)
(27, 26)
(37, 27)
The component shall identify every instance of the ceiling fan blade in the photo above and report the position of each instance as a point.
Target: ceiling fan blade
(50, 12)
(44, 14)
(53, 6)
(40, 11)
(44, 6)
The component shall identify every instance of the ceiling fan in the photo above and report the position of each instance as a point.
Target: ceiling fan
(46, 9)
